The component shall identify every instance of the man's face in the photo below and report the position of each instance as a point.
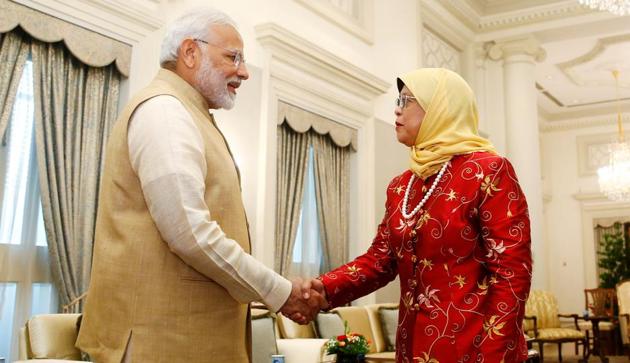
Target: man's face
(217, 77)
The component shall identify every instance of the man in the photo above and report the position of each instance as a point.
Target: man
(172, 276)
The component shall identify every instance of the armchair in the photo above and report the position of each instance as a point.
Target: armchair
(49, 337)
(600, 302)
(542, 321)
(623, 298)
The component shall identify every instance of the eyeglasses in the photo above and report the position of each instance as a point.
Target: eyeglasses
(402, 100)
(237, 56)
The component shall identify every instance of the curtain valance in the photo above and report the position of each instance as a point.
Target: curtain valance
(301, 121)
(91, 48)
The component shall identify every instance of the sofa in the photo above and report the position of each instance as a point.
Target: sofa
(51, 337)
(377, 322)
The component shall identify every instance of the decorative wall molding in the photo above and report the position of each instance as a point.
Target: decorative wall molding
(309, 77)
(564, 125)
(289, 48)
(570, 67)
(455, 31)
(525, 45)
(354, 16)
(593, 152)
(438, 53)
(126, 21)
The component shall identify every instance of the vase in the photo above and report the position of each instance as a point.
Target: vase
(350, 358)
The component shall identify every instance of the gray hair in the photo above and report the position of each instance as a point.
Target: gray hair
(193, 24)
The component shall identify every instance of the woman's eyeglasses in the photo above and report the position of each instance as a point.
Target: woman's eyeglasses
(237, 56)
(402, 100)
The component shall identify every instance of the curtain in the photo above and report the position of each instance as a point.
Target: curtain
(75, 106)
(14, 50)
(291, 168)
(332, 170)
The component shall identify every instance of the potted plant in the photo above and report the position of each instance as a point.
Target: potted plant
(349, 347)
(614, 257)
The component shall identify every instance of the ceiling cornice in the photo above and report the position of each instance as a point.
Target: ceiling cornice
(572, 124)
(537, 14)
(481, 23)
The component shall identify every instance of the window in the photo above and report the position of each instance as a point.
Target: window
(307, 250)
(25, 283)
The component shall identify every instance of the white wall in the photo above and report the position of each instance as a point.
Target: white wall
(569, 220)
(394, 51)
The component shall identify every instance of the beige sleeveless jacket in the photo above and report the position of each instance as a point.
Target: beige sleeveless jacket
(142, 292)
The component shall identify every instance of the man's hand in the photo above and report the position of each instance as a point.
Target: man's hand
(305, 301)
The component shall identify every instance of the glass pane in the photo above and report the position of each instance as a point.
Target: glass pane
(44, 299)
(15, 180)
(7, 308)
(307, 251)
(41, 231)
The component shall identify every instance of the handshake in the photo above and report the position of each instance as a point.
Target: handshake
(307, 298)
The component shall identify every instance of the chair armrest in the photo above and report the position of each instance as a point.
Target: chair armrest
(575, 318)
(302, 350)
(533, 317)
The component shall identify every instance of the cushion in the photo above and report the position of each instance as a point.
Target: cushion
(52, 336)
(263, 338)
(544, 306)
(559, 333)
(292, 330)
(380, 343)
(328, 325)
(389, 324)
(603, 325)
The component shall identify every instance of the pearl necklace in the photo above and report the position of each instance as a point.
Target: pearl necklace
(426, 196)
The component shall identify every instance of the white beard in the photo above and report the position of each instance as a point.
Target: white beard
(213, 86)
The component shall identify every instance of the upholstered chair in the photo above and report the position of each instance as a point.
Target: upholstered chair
(542, 322)
(49, 337)
(600, 302)
(623, 299)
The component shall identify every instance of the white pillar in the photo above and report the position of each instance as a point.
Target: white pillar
(522, 137)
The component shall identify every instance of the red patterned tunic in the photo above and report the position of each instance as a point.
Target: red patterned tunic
(464, 263)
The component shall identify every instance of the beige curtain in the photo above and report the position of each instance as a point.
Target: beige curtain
(332, 169)
(14, 50)
(291, 168)
(75, 106)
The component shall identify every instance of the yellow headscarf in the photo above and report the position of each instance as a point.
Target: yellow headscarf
(450, 126)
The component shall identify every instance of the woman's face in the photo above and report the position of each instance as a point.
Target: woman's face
(409, 116)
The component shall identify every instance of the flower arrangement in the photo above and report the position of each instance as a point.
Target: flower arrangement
(349, 344)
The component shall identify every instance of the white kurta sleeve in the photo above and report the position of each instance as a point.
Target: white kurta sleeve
(166, 151)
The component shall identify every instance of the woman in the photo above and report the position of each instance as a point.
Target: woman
(456, 231)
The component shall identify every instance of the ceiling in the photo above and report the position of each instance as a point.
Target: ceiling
(583, 46)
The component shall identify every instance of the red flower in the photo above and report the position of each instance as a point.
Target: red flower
(341, 338)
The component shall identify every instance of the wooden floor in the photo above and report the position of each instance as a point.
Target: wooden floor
(568, 355)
